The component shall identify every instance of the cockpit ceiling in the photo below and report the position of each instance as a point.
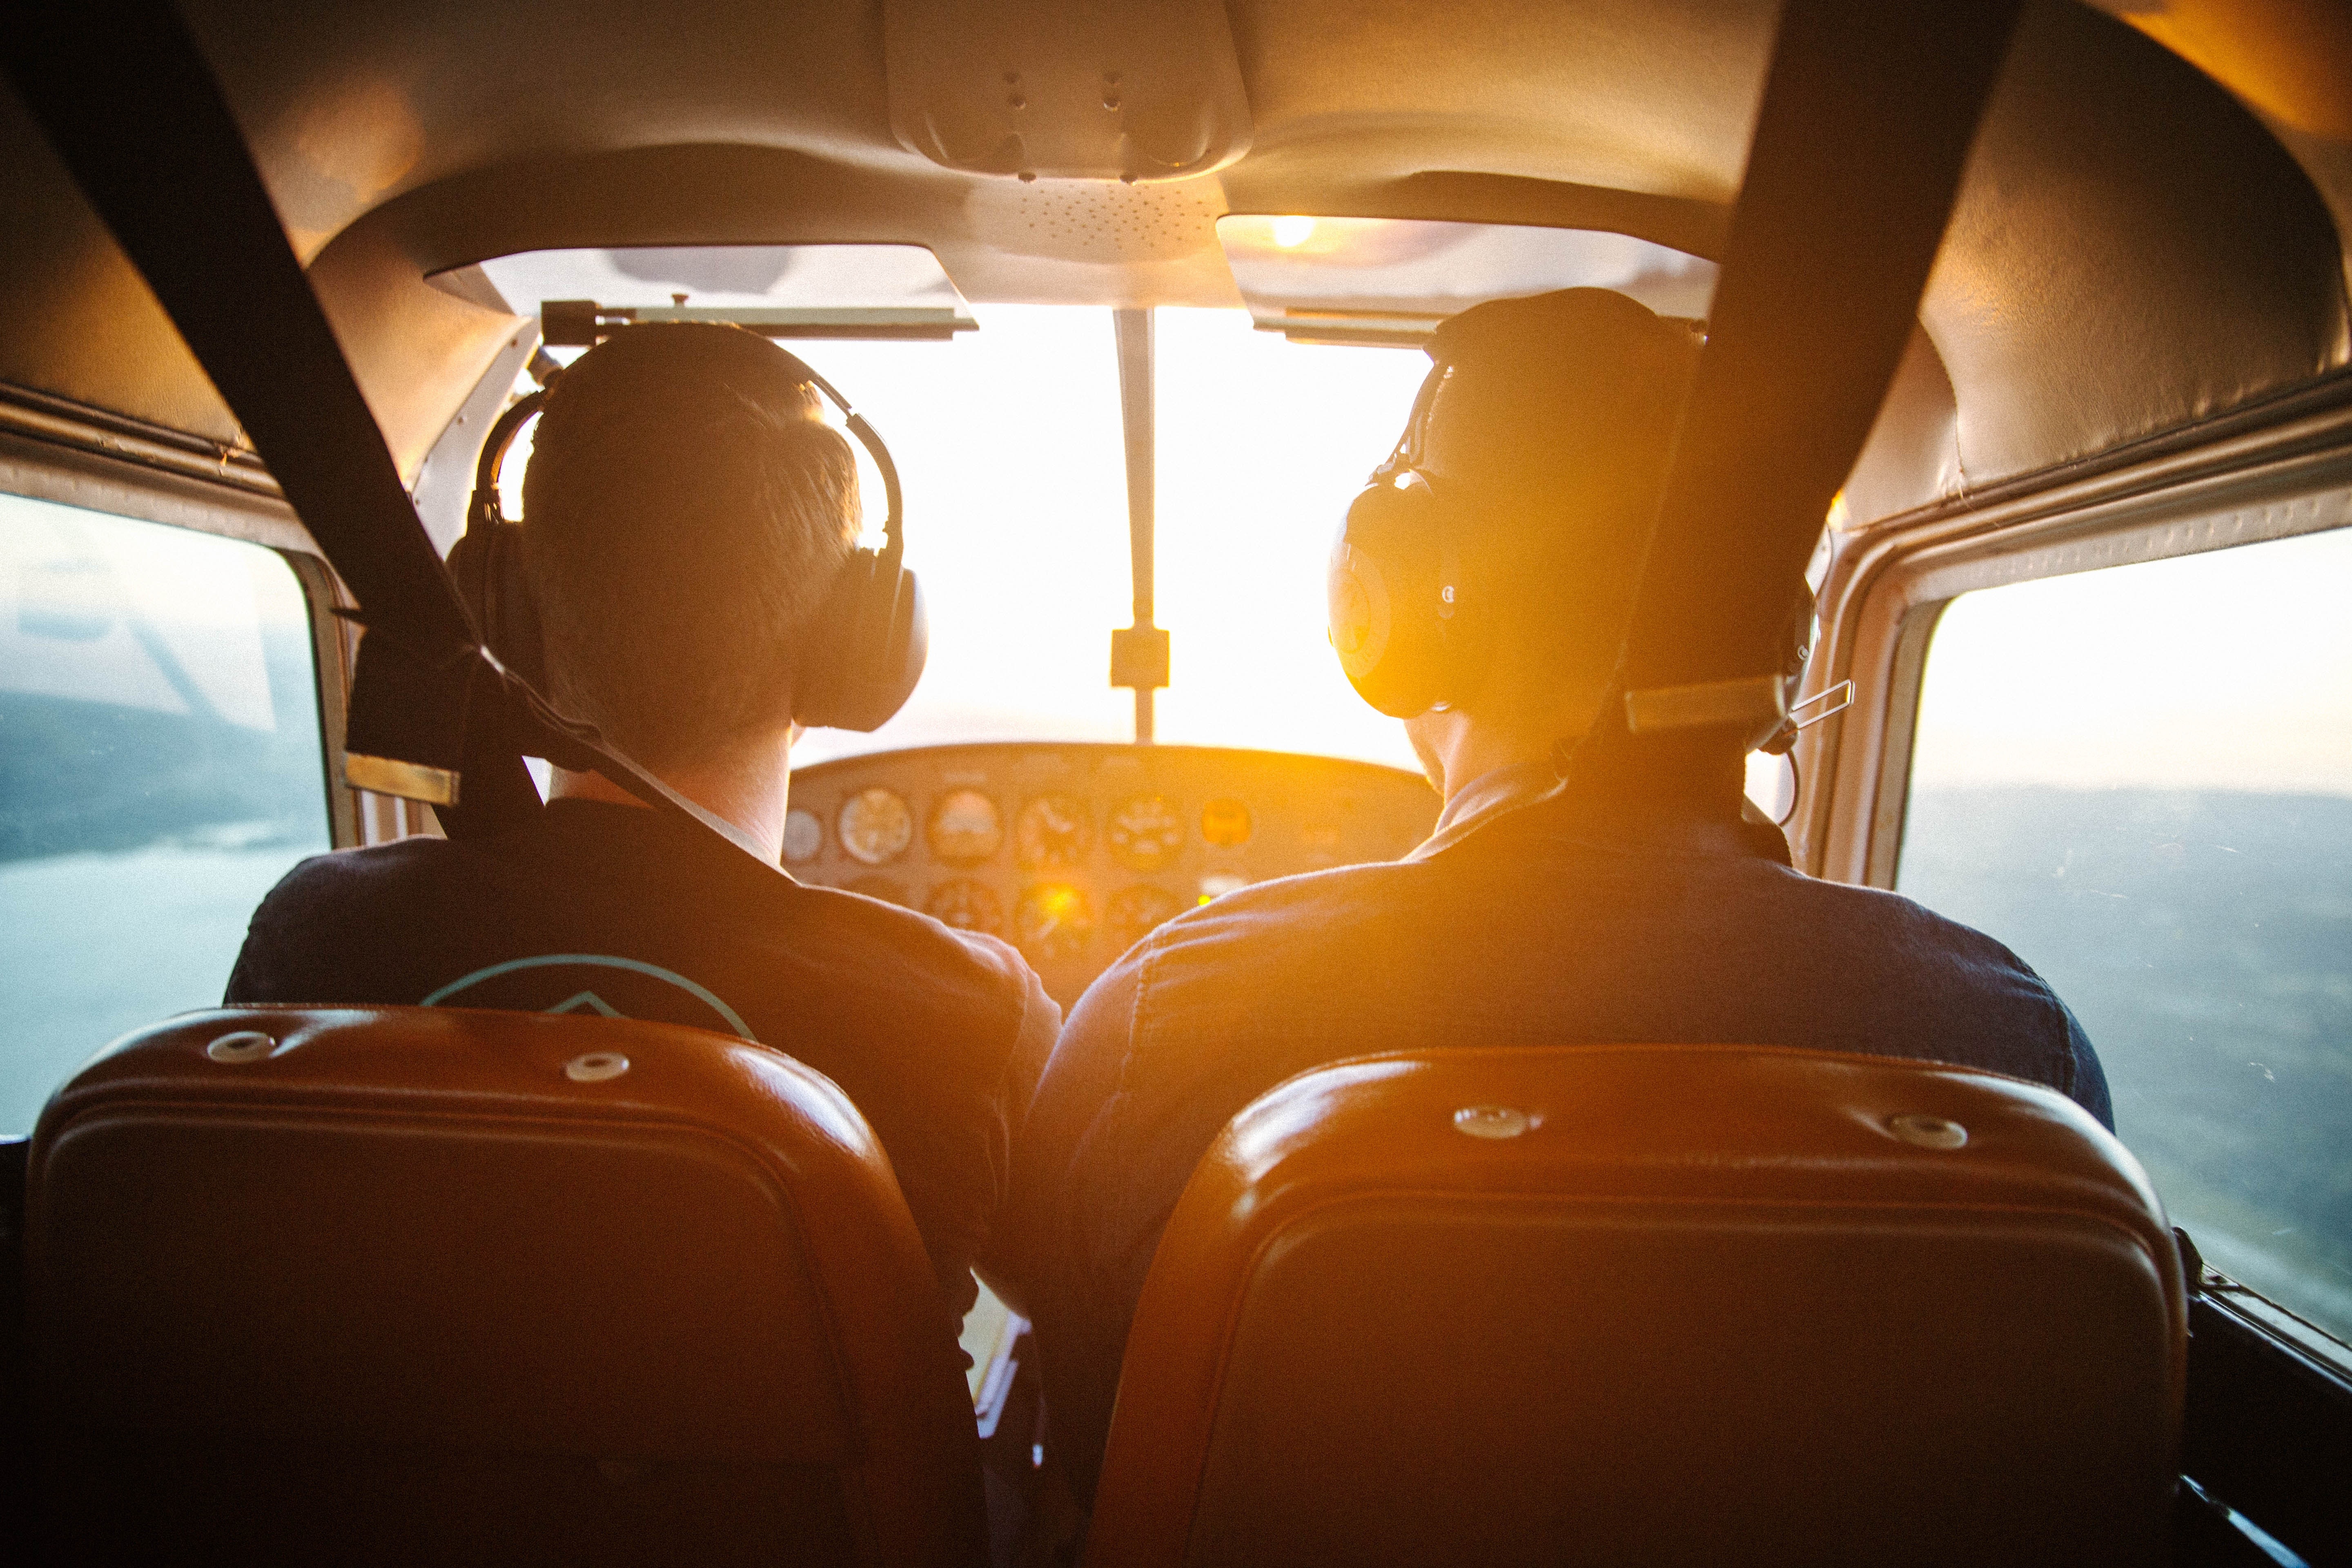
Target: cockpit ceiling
(2147, 234)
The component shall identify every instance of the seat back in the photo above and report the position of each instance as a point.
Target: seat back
(430, 1285)
(1652, 1304)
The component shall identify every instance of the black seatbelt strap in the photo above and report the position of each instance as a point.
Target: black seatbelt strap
(132, 109)
(1868, 114)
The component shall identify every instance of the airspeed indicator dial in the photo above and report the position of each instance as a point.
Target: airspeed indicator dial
(876, 826)
(1145, 832)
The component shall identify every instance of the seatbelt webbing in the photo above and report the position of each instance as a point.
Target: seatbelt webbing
(1868, 114)
(131, 108)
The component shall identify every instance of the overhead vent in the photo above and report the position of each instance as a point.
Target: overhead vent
(1118, 90)
(782, 291)
(1392, 280)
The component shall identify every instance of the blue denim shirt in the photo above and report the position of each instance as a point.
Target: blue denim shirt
(1523, 921)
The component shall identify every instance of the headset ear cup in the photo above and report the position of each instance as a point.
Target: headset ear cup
(1383, 600)
(488, 563)
(867, 649)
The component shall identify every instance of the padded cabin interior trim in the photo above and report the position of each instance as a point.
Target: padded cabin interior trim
(2137, 247)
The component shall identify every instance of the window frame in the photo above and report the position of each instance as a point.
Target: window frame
(54, 450)
(2275, 472)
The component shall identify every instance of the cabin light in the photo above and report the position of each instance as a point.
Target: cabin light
(1290, 233)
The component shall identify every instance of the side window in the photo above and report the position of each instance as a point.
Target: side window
(2140, 780)
(160, 765)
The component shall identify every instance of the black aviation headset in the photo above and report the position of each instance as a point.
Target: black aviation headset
(1410, 632)
(861, 657)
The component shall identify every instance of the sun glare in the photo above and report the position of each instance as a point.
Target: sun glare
(1008, 440)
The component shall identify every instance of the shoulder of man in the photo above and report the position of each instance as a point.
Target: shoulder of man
(328, 911)
(955, 967)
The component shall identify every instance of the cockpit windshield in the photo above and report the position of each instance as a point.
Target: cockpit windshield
(1008, 442)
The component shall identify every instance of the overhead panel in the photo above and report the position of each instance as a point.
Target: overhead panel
(1392, 280)
(1101, 90)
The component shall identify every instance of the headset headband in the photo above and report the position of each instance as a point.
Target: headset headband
(510, 423)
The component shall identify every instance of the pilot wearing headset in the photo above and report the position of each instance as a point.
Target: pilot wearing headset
(1573, 891)
(688, 556)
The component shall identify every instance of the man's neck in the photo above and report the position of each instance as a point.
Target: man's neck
(749, 787)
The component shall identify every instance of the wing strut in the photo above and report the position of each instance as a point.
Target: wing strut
(135, 112)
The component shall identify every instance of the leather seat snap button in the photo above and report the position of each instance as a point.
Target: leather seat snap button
(1491, 1121)
(240, 1046)
(1927, 1132)
(596, 1067)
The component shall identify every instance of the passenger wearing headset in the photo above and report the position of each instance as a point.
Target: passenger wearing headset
(688, 561)
(1573, 891)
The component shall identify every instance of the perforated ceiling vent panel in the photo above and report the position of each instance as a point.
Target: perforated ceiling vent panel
(1103, 221)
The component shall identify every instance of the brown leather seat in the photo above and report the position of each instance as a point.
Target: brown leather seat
(428, 1285)
(1652, 1304)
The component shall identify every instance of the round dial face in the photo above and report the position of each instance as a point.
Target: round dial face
(875, 826)
(967, 905)
(1145, 832)
(804, 835)
(964, 828)
(1225, 823)
(1053, 833)
(1053, 921)
(1134, 911)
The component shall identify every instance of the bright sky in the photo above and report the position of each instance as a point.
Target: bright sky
(1007, 441)
(2229, 670)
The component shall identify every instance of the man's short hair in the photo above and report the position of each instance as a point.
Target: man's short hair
(684, 514)
(1553, 427)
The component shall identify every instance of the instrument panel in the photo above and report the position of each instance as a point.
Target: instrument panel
(1074, 851)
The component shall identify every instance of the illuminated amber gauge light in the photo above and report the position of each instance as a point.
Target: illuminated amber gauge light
(803, 837)
(1226, 824)
(1134, 912)
(1145, 833)
(1053, 833)
(875, 826)
(967, 905)
(964, 828)
(1053, 921)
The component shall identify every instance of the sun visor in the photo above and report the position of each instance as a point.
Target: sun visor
(1392, 280)
(780, 291)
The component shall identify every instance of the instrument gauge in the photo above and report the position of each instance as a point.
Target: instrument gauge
(1133, 913)
(1145, 832)
(1053, 833)
(966, 905)
(1053, 921)
(1225, 823)
(964, 828)
(876, 826)
(803, 837)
